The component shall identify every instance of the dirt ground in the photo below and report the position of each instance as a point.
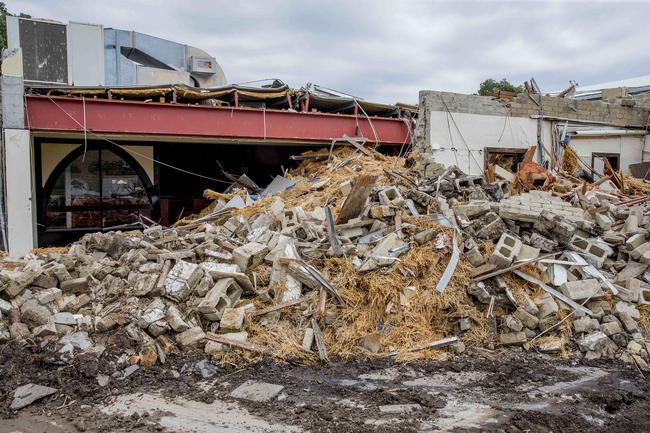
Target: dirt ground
(510, 391)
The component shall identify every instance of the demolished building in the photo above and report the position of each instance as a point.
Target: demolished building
(474, 232)
(81, 159)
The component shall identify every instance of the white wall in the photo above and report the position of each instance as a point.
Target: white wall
(629, 147)
(85, 54)
(479, 131)
(20, 216)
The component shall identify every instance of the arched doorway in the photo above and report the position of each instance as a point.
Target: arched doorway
(96, 188)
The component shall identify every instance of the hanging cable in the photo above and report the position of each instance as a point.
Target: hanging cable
(133, 152)
(461, 135)
(369, 121)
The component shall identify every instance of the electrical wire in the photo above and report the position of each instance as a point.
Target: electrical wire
(133, 152)
(461, 135)
(369, 121)
(451, 140)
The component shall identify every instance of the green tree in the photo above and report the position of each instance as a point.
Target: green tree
(488, 86)
(3, 24)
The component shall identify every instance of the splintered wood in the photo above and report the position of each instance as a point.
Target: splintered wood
(357, 198)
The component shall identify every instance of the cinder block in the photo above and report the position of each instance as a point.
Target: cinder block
(592, 252)
(391, 196)
(582, 289)
(585, 324)
(468, 183)
(506, 250)
(232, 319)
(225, 293)
(512, 338)
(249, 255)
(181, 279)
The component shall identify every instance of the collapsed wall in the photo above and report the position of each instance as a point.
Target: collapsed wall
(355, 254)
(464, 129)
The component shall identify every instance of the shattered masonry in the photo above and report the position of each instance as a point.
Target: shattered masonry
(559, 272)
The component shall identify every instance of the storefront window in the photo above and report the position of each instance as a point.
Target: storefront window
(99, 190)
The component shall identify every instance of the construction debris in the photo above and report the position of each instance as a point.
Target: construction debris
(356, 255)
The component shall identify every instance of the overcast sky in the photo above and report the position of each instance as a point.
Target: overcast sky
(388, 50)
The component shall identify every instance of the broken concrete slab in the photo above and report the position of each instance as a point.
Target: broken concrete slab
(256, 391)
(28, 394)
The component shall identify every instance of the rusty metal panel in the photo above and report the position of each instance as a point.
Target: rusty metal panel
(45, 56)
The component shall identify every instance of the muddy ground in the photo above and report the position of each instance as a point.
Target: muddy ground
(484, 391)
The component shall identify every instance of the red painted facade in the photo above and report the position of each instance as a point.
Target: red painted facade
(103, 116)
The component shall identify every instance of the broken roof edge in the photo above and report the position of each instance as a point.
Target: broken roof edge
(277, 94)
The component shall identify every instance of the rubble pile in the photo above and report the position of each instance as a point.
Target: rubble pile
(350, 256)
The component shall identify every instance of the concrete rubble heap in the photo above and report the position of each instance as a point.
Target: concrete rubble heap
(271, 277)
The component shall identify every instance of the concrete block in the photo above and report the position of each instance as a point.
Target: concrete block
(645, 258)
(582, 289)
(636, 240)
(512, 338)
(489, 226)
(628, 322)
(597, 341)
(466, 183)
(213, 347)
(175, 320)
(19, 331)
(426, 235)
(308, 339)
(5, 306)
(473, 209)
(502, 173)
(232, 319)
(64, 318)
(585, 324)
(527, 253)
(555, 226)
(190, 338)
(624, 307)
(77, 285)
(544, 244)
(225, 293)
(182, 279)
(593, 253)
(391, 197)
(381, 211)
(49, 295)
(640, 250)
(603, 221)
(249, 255)
(548, 322)
(475, 257)
(611, 328)
(631, 224)
(34, 313)
(526, 318)
(505, 251)
(513, 323)
(45, 330)
(546, 305)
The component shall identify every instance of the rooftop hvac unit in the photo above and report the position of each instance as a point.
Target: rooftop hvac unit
(203, 65)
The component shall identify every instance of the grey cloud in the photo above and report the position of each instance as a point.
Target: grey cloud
(388, 50)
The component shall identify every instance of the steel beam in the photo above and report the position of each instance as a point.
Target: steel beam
(66, 114)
